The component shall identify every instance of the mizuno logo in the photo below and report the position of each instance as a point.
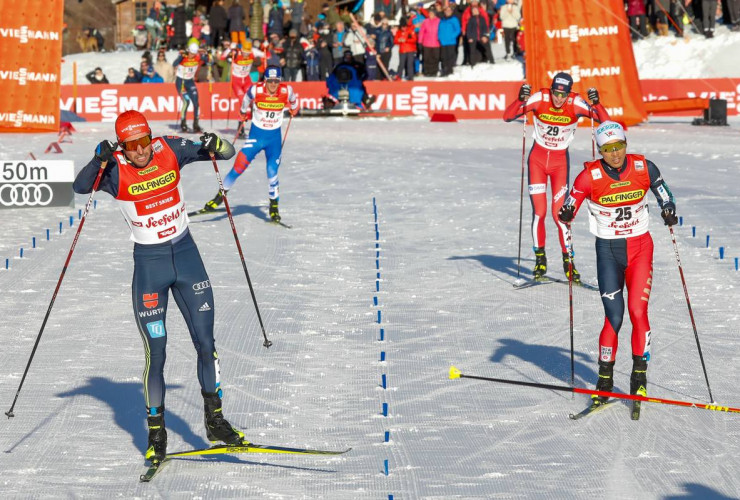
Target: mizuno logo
(610, 296)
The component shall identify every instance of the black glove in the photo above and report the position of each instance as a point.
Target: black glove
(524, 92)
(593, 94)
(211, 142)
(566, 213)
(104, 151)
(669, 215)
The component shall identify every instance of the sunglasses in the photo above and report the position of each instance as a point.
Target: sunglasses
(132, 145)
(613, 146)
(272, 80)
(559, 93)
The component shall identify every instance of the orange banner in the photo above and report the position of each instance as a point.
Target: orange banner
(590, 41)
(30, 65)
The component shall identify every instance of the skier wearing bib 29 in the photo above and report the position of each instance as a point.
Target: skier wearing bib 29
(145, 179)
(555, 113)
(616, 187)
(263, 104)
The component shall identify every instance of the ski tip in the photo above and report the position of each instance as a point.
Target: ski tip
(454, 372)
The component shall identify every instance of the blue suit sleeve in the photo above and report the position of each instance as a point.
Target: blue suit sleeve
(659, 187)
(86, 178)
(188, 151)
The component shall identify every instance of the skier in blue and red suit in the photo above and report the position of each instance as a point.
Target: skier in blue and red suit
(616, 187)
(555, 113)
(144, 177)
(186, 66)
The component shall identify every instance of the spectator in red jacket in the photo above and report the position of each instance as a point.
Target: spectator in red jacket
(406, 40)
(429, 40)
(638, 20)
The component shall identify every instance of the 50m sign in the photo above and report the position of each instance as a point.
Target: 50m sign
(28, 184)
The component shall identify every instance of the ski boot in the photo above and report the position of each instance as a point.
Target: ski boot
(566, 267)
(196, 127)
(605, 382)
(217, 427)
(213, 204)
(157, 444)
(274, 214)
(540, 263)
(638, 382)
(184, 126)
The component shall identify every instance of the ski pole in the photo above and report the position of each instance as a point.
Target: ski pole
(521, 197)
(228, 110)
(570, 305)
(104, 164)
(593, 135)
(691, 313)
(287, 129)
(455, 373)
(266, 343)
(238, 131)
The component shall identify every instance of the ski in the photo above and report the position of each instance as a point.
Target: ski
(152, 471)
(280, 223)
(252, 448)
(590, 410)
(531, 282)
(547, 279)
(636, 410)
(204, 211)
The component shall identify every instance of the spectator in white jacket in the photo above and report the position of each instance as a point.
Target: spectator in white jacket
(510, 16)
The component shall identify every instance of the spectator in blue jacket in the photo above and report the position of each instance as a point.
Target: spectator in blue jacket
(449, 31)
(384, 43)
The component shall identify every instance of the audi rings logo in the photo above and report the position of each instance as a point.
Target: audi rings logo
(202, 285)
(25, 195)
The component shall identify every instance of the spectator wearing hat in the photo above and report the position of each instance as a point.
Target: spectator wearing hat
(405, 38)
(448, 33)
(429, 40)
(384, 43)
(275, 22)
(132, 76)
(294, 57)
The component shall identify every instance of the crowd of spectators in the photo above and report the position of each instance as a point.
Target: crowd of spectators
(430, 37)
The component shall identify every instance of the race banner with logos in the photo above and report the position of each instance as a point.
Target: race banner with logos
(467, 100)
(29, 184)
(30, 65)
(590, 41)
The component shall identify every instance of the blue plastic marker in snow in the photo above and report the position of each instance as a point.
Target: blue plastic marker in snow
(60, 228)
(385, 409)
(33, 242)
(375, 301)
(377, 286)
(383, 381)
(382, 355)
(693, 231)
(21, 252)
(79, 214)
(385, 466)
(736, 263)
(71, 220)
(707, 241)
(721, 253)
(48, 235)
(382, 330)
(7, 264)
(680, 220)
(378, 317)
(95, 203)
(387, 437)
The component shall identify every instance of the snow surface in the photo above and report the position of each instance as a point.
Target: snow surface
(448, 210)
(657, 58)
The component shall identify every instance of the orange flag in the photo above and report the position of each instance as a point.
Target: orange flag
(590, 40)
(30, 65)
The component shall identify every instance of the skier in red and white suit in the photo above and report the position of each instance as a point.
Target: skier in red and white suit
(616, 187)
(242, 59)
(555, 113)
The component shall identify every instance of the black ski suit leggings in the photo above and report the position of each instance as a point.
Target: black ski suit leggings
(174, 265)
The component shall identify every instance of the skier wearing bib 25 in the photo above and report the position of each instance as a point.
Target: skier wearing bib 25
(616, 188)
(145, 179)
(555, 113)
(263, 104)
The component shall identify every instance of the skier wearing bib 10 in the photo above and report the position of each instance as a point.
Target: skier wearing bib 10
(263, 104)
(616, 187)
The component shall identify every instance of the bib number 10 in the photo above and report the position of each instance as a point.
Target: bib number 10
(624, 213)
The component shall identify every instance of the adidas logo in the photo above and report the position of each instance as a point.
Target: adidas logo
(204, 307)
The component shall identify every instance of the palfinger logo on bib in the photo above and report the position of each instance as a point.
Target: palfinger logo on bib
(28, 195)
